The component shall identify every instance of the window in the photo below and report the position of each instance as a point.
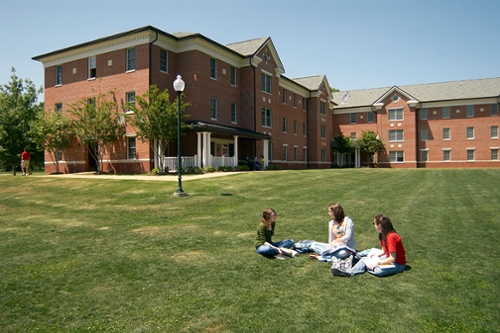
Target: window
(424, 135)
(446, 134)
(92, 68)
(295, 127)
(213, 108)
(213, 68)
(266, 83)
(352, 118)
(285, 153)
(233, 76)
(371, 117)
(470, 154)
(131, 150)
(446, 155)
(304, 105)
(322, 108)
(59, 154)
(295, 151)
(423, 114)
(396, 156)
(323, 131)
(494, 132)
(395, 114)
(323, 155)
(446, 113)
(494, 154)
(494, 110)
(130, 100)
(131, 59)
(266, 117)
(304, 130)
(294, 100)
(353, 135)
(58, 107)
(58, 75)
(396, 135)
(470, 132)
(164, 60)
(284, 124)
(424, 155)
(304, 154)
(469, 111)
(395, 97)
(284, 96)
(233, 112)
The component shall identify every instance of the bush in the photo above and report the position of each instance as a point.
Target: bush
(208, 169)
(273, 167)
(242, 168)
(193, 169)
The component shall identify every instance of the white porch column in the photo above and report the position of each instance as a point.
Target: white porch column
(205, 154)
(357, 159)
(209, 155)
(199, 143)
(265, 152)
(236, 154)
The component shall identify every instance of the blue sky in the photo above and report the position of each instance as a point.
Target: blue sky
(357, 44)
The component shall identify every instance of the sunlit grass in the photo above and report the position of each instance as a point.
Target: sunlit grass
(98, 255)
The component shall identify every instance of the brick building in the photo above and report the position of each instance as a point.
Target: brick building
(241, 104)
(449, 124)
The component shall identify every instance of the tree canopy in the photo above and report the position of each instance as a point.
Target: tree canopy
(18, 108)
(370, 143)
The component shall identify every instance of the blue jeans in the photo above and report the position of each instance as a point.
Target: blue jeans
(269, 251)
(360, 268)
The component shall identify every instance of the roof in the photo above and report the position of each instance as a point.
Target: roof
(249, 47)
(310, 82)
(431, 92)
(200, 126)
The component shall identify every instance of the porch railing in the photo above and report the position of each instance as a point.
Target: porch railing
(190, 161)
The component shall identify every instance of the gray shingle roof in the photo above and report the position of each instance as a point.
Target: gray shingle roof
(432, 92)
(310, 82)
(248, 47)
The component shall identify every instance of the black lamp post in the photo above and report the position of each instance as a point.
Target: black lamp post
(179, 88)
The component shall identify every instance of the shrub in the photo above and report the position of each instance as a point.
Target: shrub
(193, 169)
(208, 169)
(273, 167)
(242, 168)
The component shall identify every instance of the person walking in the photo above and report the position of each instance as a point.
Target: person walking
(25, 162)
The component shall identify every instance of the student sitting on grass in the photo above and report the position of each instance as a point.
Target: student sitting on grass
(340, 234)
(389, 260)
(265, 231)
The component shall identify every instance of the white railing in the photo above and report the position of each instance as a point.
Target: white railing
(186, 161)
(218, 161)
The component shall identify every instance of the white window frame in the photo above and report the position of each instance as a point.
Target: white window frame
(131, 150)
(424, 155)
(423, 114)
(285, 152)
(352, 118)
(470, 154)
(266, 82)
(494, 154)
(446, 155)
(396, 135)
(395, 114)
(213, 68)
(267, 119)
(396, 156)
(233, 113)
(213, 108)
(494, 132)
(131, 57)
(371, 116)
(493, 110)
(130, 99)
(232, 71)
(59, 75)
(424, 135)
(446, 112)
(470, 133)
(92, 72)
(164, 60)
(446, 133)
(469, 111)
(322, 108)
(285, 125)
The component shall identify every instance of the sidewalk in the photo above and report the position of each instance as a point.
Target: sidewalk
(165, 178)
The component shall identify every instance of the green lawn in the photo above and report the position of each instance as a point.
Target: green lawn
(96, 255)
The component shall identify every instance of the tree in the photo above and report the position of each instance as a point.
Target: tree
(342, 145)
(18, 108)
(96, 124)
(155, 119)
(52, 131)
(370, 143)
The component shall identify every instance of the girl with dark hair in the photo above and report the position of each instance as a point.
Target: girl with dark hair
(389, 260)
(265, 231)
(340, 234)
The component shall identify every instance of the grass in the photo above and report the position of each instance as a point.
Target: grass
(80, 255)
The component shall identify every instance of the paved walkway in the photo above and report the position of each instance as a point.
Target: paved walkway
(165, 178)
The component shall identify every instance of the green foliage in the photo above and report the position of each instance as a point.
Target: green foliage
(242, 167)
(225, 168)
(370, 144)
(99, 255)
(208, 169)
(97, 124)
(274, 167)
(343, 144)
(155, 119)
(52, 131)
(193, 169)
(18, 109)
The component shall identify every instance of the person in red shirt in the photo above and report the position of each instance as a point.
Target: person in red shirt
(25, 161)
(389, 260)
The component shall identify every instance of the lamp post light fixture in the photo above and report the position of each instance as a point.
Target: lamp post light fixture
(179, 86)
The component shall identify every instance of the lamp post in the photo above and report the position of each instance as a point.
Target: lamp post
(179, 88)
